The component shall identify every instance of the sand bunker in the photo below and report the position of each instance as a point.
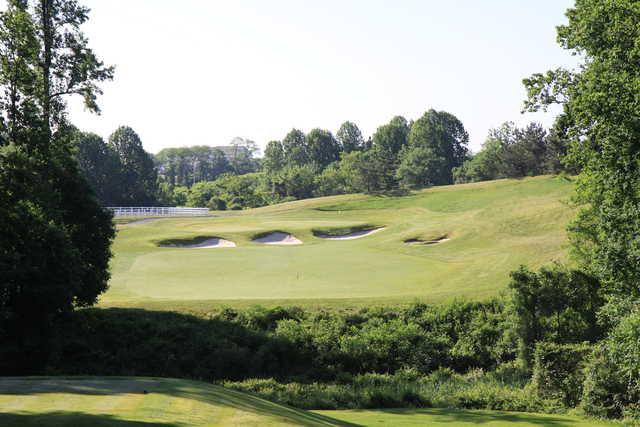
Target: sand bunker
(278, 238)
(417, 241)
(350, 236)
(214, 242)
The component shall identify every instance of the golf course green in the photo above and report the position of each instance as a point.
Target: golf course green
(141, 402)
(432, 245)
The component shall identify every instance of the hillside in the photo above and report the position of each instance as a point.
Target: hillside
(465, 241)
(122, 402)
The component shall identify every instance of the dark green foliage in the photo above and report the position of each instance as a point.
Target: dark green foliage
(285, 342)
(558, 371)
(612, 385)
(323, 148)
(350, 138)
(334, 179)
(55, 238)
(437, 144)
(384, 156)
(228, 192)
(511, 152)
(404, 389)
(138, 342)
(140, 177)
(600, 101)
(422, 167)
(296, 149)
(295, 182)
(556, 305)
(274, 158)
(101, 167)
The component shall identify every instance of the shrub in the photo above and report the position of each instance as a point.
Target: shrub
(612, 383)
(558, 371)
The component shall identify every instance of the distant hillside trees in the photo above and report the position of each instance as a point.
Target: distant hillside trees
(512, 152)
(400, 154)
(184, 166)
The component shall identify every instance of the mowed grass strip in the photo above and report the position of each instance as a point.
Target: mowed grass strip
(493, 228)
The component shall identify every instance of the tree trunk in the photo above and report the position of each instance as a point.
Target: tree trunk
(47, 39)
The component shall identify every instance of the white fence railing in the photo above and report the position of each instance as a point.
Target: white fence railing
(157, 211)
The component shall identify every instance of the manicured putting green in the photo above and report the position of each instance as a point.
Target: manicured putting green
(490, 228)
(122, 402)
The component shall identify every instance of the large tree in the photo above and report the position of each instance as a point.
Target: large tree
(274, 158)
(55, 248)
(443, 136)
(140, 176)
(350, 138)
(101, 167)
(601, 102)
(296, 149)
(323, 148)
(388, 141)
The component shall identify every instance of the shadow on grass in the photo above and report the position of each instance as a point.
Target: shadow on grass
(453, 416)
(75, 419)
(202, 392)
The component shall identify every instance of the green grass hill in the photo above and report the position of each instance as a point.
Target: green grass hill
(465, 241)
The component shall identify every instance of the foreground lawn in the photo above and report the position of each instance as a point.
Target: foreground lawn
(122, 402)
(493, 227)
(452, 417)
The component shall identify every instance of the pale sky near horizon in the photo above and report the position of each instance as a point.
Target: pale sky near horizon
(196, 72)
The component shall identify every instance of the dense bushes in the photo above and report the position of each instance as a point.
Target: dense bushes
(460, 354)
(139, 342)
(558, 371)
(612, 385)
(286, 343)
(406, 388)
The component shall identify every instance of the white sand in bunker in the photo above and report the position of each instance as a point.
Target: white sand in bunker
(214, 242)
(278, 238)
(351, 236)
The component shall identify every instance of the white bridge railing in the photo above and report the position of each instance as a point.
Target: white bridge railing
(157, 211)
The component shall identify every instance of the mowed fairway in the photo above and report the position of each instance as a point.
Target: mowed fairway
(121, 402)
(493, 227)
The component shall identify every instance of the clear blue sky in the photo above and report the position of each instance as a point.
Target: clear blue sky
(201, 72)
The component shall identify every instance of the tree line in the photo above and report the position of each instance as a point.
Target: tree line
(400, 156)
